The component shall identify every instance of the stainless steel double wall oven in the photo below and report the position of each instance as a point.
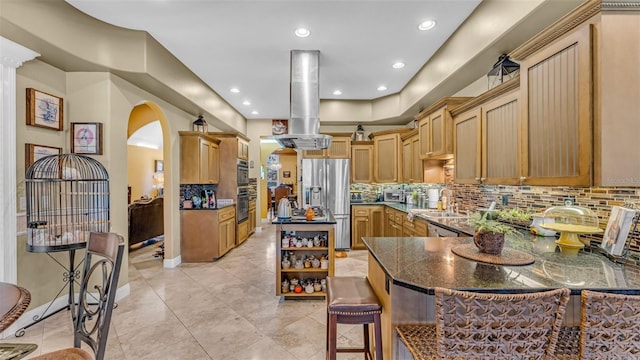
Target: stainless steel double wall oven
(243, 190)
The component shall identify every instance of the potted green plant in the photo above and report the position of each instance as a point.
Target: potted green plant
(489, 234)
(515, 216)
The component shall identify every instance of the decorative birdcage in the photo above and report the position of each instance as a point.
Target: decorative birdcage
(67, 197)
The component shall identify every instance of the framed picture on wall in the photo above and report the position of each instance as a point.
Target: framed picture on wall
(35, 152)
(44, 110)
(279, 127)
(158, 165)
(86, 138)
(286, 174)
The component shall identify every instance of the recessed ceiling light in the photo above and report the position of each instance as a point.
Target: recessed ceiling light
(382, 88)
(302, 32)
(246, 102)
(254, 112)
(427, 25)
(398, 65)
(234, 90)
(337, 92)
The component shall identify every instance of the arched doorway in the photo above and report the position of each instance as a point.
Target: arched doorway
(157, 175)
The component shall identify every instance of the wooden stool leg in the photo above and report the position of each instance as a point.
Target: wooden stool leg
(367, 346)
(332, 336)
(377, 328)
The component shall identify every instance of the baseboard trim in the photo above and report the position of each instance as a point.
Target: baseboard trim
(171, 263)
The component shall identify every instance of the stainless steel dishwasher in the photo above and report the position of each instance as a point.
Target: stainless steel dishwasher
(437, 231)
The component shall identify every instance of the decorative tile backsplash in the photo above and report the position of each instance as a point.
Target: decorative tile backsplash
(535, 199)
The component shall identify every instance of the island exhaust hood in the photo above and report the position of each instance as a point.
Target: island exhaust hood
(304, 121)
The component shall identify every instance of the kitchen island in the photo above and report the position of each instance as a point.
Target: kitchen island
(305, 256)
(404, 271)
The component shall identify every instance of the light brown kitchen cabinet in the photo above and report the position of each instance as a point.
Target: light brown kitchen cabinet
(199, 158)
(242, 232)
(340, 148)
(362, 162)
(393, 221)
(435, 127)
(556, 112)
(486, 135)
(412, 167)
(206, 235)
(366, 221)
(415, 228)
(243, 149)
(387, 155)
(590, 103)
(252, 216)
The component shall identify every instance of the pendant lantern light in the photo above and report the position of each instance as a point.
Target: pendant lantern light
(502, 71)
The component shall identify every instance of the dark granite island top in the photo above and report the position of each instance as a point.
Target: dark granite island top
(424, 263)
(327, 219)
(403, 272)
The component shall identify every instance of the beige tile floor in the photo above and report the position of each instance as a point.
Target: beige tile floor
(221, 310)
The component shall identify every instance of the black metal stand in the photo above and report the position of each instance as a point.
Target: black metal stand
(70, 275)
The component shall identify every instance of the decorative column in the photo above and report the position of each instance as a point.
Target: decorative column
(12, 55)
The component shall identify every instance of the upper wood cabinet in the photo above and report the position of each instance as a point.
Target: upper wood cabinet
(486, 135)
(340, 148)
(387, 155)
(580, 97)
(412, 170)
(362, 162)
(435, 127)
(556, 107)
(243, 149)
(199, 158)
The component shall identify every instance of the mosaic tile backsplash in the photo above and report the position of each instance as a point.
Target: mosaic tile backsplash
(534, 199)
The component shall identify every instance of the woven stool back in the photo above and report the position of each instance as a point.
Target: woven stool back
(498, 326)
(610, 326)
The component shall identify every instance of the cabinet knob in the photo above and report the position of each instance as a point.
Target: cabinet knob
(522, 179)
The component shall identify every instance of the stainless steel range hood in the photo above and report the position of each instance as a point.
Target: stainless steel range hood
(304, 121)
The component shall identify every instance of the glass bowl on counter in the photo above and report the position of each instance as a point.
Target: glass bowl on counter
(570, 222)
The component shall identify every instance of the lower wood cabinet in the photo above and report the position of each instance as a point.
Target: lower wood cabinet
(366, 221)
(207, 234)
(252, 216)
(393, 221)
(415, 228)
(242, 232)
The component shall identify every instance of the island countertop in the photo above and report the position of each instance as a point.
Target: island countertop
(422, 263)
(327, 219)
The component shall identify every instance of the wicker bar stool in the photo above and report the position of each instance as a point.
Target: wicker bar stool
(609, 328)
(473, 325)
(351, 300)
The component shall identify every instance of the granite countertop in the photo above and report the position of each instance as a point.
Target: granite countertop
(328, 219)
(205, 209)
(424, 263)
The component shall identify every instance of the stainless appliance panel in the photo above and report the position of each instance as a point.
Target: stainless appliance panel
(331, 176)
(243, 172)
(313, 178)
(338, 196)
(343, 232)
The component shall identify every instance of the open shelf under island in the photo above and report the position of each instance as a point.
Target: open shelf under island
(305, 252)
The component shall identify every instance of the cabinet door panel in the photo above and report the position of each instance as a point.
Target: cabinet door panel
(418, 170)
(386, 166)
(467, 147)
(437, 133)
(424, 129)
(204, 161)
(361, 163)
(556, 112)
(500, 146)
(407, 158)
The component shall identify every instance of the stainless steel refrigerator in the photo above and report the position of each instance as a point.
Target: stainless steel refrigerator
(325, 182)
